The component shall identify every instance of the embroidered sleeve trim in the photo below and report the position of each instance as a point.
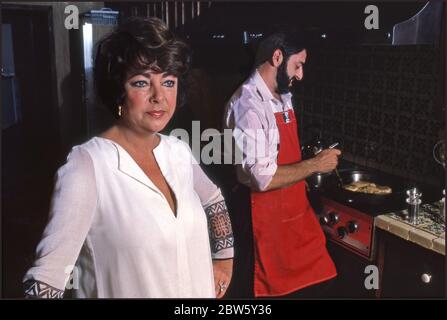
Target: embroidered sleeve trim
(38, 289)
(219, 226)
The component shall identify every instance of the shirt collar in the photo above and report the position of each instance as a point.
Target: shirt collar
(264, 91)
(128, 165)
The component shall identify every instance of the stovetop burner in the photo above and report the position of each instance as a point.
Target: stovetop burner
(349, 221)
(391, 203)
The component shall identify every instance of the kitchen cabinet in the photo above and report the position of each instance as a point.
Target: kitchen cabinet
(409, 270)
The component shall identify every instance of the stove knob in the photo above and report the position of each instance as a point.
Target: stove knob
(324, 220)
(352, 226)
(342, 232)
(333, 218)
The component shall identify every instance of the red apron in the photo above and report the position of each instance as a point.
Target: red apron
(289, 244)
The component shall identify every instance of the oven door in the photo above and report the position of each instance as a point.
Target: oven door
(350, 281)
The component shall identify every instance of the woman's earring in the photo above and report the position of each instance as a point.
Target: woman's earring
(119, 111)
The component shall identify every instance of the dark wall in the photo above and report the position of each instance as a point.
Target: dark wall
(382, 103)
(31, 151)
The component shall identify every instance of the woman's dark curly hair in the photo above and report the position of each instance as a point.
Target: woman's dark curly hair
(135, 46)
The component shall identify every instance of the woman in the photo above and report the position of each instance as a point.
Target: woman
(130, 207)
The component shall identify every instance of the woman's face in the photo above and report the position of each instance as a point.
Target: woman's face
(150, 101)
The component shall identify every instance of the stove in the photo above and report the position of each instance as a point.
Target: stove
(348, 227)
(349, 223)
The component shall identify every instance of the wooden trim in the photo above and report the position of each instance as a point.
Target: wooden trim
(380, 262)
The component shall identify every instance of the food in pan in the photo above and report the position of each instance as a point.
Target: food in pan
(367, 187)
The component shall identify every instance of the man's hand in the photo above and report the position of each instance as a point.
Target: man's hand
(288, 174)
(223, 271)
(326, 160)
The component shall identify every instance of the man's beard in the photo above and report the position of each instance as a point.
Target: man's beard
(282, 79)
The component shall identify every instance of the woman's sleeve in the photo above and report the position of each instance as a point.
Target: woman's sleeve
(71, 213)
(219, 224)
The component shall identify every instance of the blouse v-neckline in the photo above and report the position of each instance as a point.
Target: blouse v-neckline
(128, 165)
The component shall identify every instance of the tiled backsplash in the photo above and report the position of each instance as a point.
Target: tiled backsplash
(382, 103)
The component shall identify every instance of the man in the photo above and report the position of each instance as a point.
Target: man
(289, 246)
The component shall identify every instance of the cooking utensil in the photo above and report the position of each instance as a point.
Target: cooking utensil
(340, 180)
(439, 152)
(317, 181)
(333, 187)
(332, 146)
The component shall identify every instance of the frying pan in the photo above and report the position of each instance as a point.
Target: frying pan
(333, 186)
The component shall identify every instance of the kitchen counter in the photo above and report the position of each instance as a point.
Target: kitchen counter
(428, 232)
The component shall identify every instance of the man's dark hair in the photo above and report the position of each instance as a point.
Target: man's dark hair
(288, 43)
(135, 46)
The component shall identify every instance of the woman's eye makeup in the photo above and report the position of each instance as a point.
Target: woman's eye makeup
(139, 83)
(169, 83)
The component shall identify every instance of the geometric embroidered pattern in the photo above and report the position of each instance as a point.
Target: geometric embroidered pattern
(219, 226)
(38, 289)
(223, 244)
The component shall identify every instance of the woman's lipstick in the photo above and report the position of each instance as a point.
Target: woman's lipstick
(156, 114)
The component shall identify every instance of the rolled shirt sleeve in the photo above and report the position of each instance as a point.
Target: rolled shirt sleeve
(255, 142)
(71, 213)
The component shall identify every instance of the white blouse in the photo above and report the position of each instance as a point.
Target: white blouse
(109, 219)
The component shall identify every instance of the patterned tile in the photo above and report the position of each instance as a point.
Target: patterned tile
(384, 95)
(428, 232)
(428, 219)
